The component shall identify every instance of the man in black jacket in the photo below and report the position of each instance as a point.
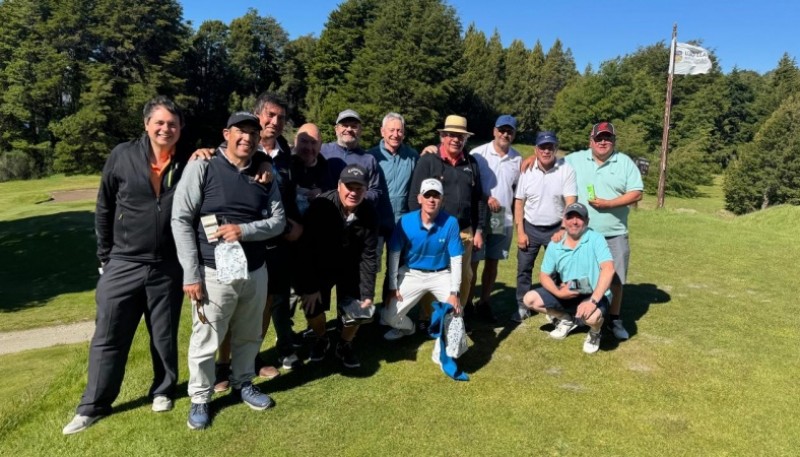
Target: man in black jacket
(461, 179)
(140, 273)
(337, 248)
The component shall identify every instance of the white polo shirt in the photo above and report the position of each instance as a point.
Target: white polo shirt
(499, 175)
(544, 192)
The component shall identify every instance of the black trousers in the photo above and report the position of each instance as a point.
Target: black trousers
(538, 237)
(125, 292)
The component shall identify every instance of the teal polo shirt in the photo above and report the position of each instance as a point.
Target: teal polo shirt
(617, 176)
(582, 262)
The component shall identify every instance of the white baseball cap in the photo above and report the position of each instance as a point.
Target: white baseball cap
(431, 184)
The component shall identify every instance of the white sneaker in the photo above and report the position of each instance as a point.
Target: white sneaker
(396, 333)
(79, 423)
(162, 403)
(436, 353)
(619, 331)
(592, 342)
(552, 320)
(520, 315)
(562, 329)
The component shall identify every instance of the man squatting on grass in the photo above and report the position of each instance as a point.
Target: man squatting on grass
(429, 240)
(248, 212)
(140, 271)
(337, 248)
(584, 268)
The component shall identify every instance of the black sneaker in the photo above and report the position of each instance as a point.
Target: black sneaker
(484, 312)
(319, 349)
(291, 362)
(301, 339)
(345, 352)
(423, 326)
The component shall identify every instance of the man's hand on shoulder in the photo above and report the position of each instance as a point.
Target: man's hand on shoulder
(430, 149)
(203, 154)
(527, 164)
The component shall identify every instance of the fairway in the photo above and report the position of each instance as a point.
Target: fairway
(710, 369)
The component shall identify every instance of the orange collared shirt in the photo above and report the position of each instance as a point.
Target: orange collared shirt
(157, 169)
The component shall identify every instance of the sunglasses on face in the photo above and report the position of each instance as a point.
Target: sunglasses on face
(604, 138)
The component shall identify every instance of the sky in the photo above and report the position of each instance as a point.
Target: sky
(750, 35)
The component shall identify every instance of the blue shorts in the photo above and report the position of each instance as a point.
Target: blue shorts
(569, 306)
(495, 246)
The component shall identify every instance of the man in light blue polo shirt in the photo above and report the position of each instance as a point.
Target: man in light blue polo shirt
(584, 269)
(608, 182)
(430, 241)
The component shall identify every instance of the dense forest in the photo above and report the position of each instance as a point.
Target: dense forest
(74, 75)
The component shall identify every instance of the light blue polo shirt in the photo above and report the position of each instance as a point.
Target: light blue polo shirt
(617, 176)
(427, 249)
(582, 262)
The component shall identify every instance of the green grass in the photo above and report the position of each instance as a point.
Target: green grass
(49, 267)
(710, 370)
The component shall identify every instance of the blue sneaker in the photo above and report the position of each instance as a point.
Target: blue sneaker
(253, 397)
(198, 416)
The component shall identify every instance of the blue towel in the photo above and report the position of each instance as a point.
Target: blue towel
(449, 366)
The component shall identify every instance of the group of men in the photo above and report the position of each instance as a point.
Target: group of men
(248, 223)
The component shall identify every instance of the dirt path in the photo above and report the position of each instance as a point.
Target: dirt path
(61, 196)
(22, 340)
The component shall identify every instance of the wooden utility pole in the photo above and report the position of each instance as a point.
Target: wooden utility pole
(662, 169)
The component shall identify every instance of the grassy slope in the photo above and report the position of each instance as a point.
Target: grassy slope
(48, 272)
(709, 370)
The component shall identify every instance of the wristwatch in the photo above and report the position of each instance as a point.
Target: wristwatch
(594, 302)
(454, 292)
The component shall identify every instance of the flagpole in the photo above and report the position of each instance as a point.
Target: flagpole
(662, 169)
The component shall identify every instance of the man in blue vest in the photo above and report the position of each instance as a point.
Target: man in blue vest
(221, 220)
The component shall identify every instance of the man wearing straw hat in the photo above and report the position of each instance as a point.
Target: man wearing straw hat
(461, 181)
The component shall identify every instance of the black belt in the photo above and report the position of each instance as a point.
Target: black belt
(431, 271)
(545, 227)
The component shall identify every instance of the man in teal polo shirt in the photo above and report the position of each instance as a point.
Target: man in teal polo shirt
(608, 182)
(583, 268)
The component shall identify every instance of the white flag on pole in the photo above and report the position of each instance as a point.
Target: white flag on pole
(691, 60)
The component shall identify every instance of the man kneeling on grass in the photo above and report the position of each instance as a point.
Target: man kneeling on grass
(429, 240)
(585, 267)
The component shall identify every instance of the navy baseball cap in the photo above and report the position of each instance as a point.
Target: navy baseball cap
(546, 137)
(243, 117)
(506, 119)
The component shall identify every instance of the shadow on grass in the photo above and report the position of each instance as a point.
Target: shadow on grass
(636, 302)
(46, 256)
